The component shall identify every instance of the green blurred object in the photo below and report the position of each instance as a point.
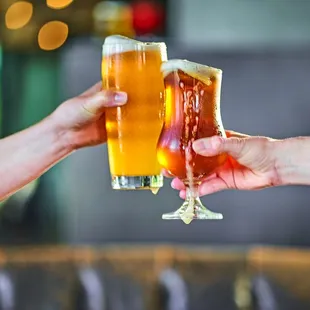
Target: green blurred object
(30, 89)
(29, 93)
(35, 77)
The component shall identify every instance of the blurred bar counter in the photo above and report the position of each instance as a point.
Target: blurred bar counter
(154, 277)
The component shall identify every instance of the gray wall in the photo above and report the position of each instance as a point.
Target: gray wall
(240, 23)
(264, 93)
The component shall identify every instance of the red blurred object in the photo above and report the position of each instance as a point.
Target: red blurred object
(148, 17)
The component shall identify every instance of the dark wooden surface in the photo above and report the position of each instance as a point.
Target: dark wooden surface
(131, 278)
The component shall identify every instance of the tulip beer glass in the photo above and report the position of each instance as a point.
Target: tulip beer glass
(133, 129)
(192, 111)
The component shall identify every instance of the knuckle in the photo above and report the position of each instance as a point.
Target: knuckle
(236, 146)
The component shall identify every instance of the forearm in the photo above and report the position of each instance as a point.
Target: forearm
(28, 154)
(293, 161)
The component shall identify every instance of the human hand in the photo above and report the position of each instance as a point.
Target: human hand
(251, 163)
(82, 119)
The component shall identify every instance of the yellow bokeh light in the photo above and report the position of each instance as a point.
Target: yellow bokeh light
(58, 4)
(18, 15)
(53, 35)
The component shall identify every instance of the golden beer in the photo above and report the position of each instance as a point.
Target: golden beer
(133, 129)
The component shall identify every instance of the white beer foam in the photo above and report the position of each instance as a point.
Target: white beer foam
(116, 44)
(196, 70)
(118, 39)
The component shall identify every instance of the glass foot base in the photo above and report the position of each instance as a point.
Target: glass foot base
(192, 210)
(149, 182)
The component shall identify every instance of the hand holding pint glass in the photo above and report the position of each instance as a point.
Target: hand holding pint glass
(133, 130)
(192, 111)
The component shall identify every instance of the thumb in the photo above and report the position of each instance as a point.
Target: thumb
(215, 145)
(96, 102)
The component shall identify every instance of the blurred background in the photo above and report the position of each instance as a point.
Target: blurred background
(256, 258)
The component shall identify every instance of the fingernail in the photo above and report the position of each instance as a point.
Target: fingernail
(120, 97)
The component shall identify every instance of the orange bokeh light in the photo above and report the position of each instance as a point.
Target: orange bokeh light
(58, 4)
(18, 15)
(53, 35)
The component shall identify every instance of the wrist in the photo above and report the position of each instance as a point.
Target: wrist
(292, 161)
(60, 133)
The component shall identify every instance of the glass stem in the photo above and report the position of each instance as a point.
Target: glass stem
(192, 193)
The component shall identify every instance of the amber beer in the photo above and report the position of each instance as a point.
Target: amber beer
(133, 129)
(193, 119)
(192, 97)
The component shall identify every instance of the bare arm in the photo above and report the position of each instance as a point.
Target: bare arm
(26, 155)
(293, 161)
(77, 123)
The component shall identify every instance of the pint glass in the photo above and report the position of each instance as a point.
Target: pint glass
(133, 130)
(192, 112)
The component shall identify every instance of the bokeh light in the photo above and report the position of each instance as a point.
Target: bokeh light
(18, 15)
(53, 35)
(58, 4)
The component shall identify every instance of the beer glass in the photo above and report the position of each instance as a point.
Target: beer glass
(133, 129)
(192, 95)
